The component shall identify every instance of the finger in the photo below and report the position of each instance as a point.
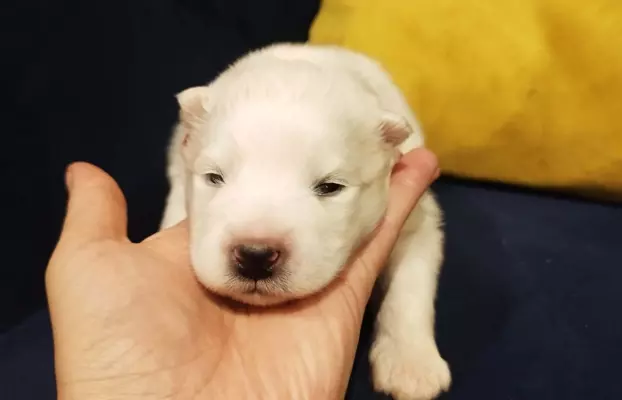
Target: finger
(411, 177)
(96, 209)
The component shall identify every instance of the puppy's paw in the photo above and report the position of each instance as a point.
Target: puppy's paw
(415, 373)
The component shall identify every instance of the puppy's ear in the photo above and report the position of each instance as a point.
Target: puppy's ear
(192, 112)
(394, 129)
(192, 105)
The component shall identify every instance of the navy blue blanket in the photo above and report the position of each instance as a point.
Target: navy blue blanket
(528, 304)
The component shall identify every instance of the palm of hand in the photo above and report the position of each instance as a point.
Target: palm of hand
(153, 330)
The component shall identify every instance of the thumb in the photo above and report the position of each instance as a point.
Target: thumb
(96, 209)
(411, 177)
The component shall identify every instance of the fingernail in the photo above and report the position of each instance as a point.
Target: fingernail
(68, 177)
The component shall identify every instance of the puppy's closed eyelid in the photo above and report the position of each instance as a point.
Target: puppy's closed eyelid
(214, 178)
(328, 189)
(330, 178)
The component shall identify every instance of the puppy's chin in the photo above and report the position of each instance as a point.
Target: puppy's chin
(256, 298)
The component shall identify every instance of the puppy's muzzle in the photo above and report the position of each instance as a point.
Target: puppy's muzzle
(256, 261)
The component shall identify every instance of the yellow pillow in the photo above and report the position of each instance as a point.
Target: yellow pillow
(520, 91)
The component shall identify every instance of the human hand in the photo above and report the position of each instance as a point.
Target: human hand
(130, 320)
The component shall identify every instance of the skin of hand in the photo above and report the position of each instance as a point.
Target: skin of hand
(130, 320)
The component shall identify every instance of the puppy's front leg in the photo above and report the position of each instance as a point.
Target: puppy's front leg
(404, 357)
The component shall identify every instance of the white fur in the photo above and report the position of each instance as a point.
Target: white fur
(275, 122)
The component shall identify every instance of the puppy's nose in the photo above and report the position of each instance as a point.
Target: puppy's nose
(255, 261)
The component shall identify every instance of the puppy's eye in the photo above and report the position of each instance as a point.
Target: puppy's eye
(328, 188)
(214, 179)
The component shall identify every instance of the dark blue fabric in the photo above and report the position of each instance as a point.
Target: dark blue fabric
(27, 361)
(528, 306)
(529, 297)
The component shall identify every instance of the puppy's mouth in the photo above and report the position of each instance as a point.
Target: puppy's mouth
(266, 287)
(258, 293)
(255, 289)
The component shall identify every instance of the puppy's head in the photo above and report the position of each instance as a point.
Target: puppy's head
(288, 169)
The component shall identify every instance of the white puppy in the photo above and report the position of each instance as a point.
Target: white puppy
(282, 165)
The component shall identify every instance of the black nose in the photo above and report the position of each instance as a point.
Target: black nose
(255, 262)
